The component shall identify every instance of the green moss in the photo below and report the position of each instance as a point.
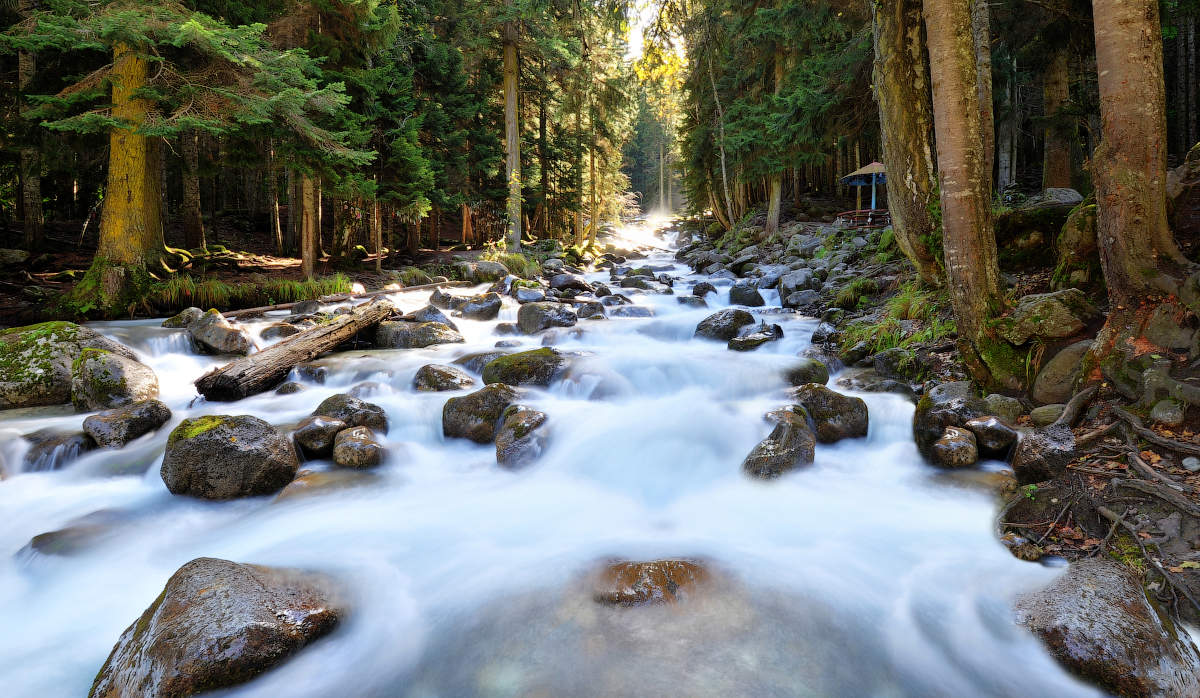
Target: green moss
(1126, 551)
(518, 365)
(26, 352)
(850, 295)
(191, 428)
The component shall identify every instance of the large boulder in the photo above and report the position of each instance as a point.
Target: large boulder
(535, 317)
(1042, 454)
(724, 325)
(752, 337)
(217, 624)
(354, 412)
(183, 319)
(790, 445)
(101, 379)
(539, 367)
(222, 457)
(36, 360)
(1098, 623)
(429, 313)
(482, 307)
(116, 427)
(1055, 382)
(834, 416)
(562, 282)
(799, 280)
(438, 377)
(475, 416)
(1052, 315)
(520, 437)
(475, 361)
(414, 335)
(746, 294)
(945, 405)
(482, 271)
(213, 334)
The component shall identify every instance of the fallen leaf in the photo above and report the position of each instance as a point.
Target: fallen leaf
(1091, 542)
(1143, 534)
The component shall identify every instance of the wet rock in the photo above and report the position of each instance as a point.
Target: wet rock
(1042, 454)
(799, 280)
(592, 310)
(222, 457)
(438, 377)
(213, 334)
(898, 363)
(357, 448)
(79, 535)
(414, 335)
(51, 450)
(535, 317)
(482, 271)
(185, 317)
(602, 290)
(476, 361)
(562, 282)
(615, 300)
(631, 311)
(309, 307)
(1021, 548)
(520, 437)
(724, 325)
(506, 329)
(1048, 315)
(807, 371)
(1007, 408)
(314, 435)
(429, 313)
(1046, 414)
(955, 449)
(640, 283)
(315, 373)
(702, 289)
(945, 405)
(116, 427)
(745, 294)
(1169, 412)
(790, 445)
(802, 299)
(752, 337)
(539, 367)
(834, 416)
(475, 416)
(525, 294)
(279, 330)
(102, 379)
(1097, 622)
(445, 301)
(35, 361)
(290, 388)
(1056, 380)
(827, 333)
(309, 483)
(992, 435)
(367, 389)
(483, 307)
(692, 301)
(656, 582)
(354, 412)
(217, 624)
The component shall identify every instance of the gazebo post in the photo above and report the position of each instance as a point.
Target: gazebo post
(873, 178)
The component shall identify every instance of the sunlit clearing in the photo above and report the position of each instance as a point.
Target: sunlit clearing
(642, 231)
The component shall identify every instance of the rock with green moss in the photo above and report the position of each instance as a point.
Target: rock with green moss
(279, 330)
(213, 334)
(476, 416)
(1045, 415)
(521, 436)
(535, 317)
(223, 457)
(184, 319)
(945, 405)
(475, 361)
(36, 360)
(354, 412)
(833, 416)
(539, 367)
(414, 335)
(116, 427)
(807, 370)
(438, 378)
(101, 380)
(1053, 315)
(482, 271)
(218, 624)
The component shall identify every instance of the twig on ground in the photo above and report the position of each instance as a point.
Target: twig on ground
(1136, 424)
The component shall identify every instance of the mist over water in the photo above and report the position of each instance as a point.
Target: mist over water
(866, 574)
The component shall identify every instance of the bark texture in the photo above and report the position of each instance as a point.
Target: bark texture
(1056, 93)
(193, 219)
(981, 32)
(30, 159)
(512, 135)
(308, 225)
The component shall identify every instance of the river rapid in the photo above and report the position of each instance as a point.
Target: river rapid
(868, 573)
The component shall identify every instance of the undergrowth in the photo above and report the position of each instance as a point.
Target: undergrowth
(924, 309)
(183, 291)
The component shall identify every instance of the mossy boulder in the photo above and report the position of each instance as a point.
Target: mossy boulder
(414, 335)
(746, 293)
(1052, 315)
(438, 378)
(476, 416)
(790, 445)
(36, 361)
(807, 370)
(101, 379)
(945, 405)
(539, 367)
(833, 416)
(116, 427)
(183, 319)
(213, 334)
(485, 306)
(354, 412)
(218, 624)
(520, 437)
(223, 457)
(475, 361)
(535, 317)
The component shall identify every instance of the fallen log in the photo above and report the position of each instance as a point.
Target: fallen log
(343, 297)
(262, 371)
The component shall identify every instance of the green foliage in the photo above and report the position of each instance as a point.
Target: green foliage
(926, 311)
(850, 295)
(183, 291)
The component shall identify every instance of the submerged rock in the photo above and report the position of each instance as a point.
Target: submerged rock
(354, 412)
(102, 379)
(535, 317)
(520, 437)
(309, 483)
(357, 448)
(218, 624)
(539, 367)
(724, 325)
(36, 360)
(117, 427)
(790, 445)
(834, 416)
(314, 435)
(214, 334)
(51, 450)
(438, 377)
(1097, 622)
(655, 582)
(414, 335)
(222, 457)
(475, 416)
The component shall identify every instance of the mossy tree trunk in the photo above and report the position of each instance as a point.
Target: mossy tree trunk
(1056, 93)
(906, 125)
(969, 242)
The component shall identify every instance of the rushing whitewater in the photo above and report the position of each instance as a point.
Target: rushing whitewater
(866, 574)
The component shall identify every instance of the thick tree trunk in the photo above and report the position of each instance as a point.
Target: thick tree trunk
(721, 142)
(273, 198)
(467, 233)
(30, 161)
(981, 32)
(662, 177)
(309, 204)
(293, 219)
(1056, 93)
(580, 232)
(906, 124)
(512, 134)
(595, 222)
(1006, 133)
(969, 241)
(193, 219)
(775, 186)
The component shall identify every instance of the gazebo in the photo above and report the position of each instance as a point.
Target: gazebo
(871, 175)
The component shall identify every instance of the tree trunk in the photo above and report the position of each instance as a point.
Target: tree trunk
(721, 142)
(543, 226)
(662, 176)
(467, 233)
(1056, 93)
(580, 232)
(969, 241)
(906, 122)
(30, 161)
(377, 233)
(1006, 134)
(309, 203)
(1193, 107)
(775, 187)
(595, 223)
(512, 134)
(293, 220)
(981, 32)
(273, 198)
(193, 218)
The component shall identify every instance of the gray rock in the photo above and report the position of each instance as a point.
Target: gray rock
(703, 288)
(476, 361)
(218, 624)
(945, 405)
(482, 307)
(1191, 464)
(539, 367)
(898, 363)
(414, 335)
(521, 436)
(314, 435)
(1048, 315)
(1056, 380)
(278, 331)
(955, 449)
(834, 416)
(790, 445)
(1170, 329)
(311, 372)
(1097, 622)
(724, 325)
(592, 310)
(356, 447)
(214, 334)
(1053, 197)
(1046, 414)
(802, 299)
(692, 301)
(290, 388)
(482, 271)
(992, 435)
(602, 290)
(807, 371)
(35, 361)
(631, 311)
(561, 282)
(827, 333)
(799, 280)
(552, 265)
(746, 294)
(51, 450)
(752, 337)
(438, 377)
(1007, 408)
(306, 308)
(116, 427)
(102, 379)
(222, 457)
(525, 294)
(1042, 454)
(476, 416)
(535, 317)
(1169, 412)
(354, 412)
(184, 318)
(430, 313)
